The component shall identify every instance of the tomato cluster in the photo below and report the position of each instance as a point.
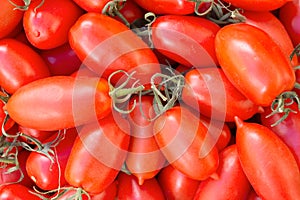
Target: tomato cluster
(160, 99)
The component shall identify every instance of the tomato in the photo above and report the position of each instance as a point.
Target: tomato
(163, 7)
(266, 159)
(92, 5)
(260, 79)
(181, 137)
(144, 159)
(109, 193)
(16, 192)
(210, 92)
(105, 45)
(46, 173)
(232, 182)
(253, 196)
(97, 155)
(271, 25)
(289, 15)
(130, 189)
(176, 185)
(131, 12)
(60, 102)
(84, 71)
(13, 75)
(257, 5)
(34, 133)
(9, 17)
(47, 26)
(189, 40)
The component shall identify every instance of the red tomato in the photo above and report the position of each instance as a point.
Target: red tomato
(34, 133)
(159, 7)
(109, 45)
(131, 12)
(253, 196)
(92, 5)
(232, 182)
(13, 75)
(48, 26)
(176, 185)
(189, 40)
(97, 155)
(110, 193)
(254, 63)
(9, 17)
(60, 102)
(181, 137)
(16, 192)
(130, 189)
(266, 159)
(210, 92)
(84, 71)
(257, 5)
(289, 15)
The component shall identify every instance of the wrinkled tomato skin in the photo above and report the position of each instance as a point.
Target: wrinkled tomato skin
(289, 15)
(13, 75)
(189, 40)
(261, 79)
(48, 26)
(258, 5)
(64, 99)
(16, 192)
(265, 159)
(210, 92)
(176, 185)
(232, 182)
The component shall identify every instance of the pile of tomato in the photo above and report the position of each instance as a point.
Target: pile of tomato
(150, 99)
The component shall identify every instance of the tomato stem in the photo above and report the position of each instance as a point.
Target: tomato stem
(26, 5)
(112, 8)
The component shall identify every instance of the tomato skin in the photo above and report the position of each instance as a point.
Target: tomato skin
(130, 189)
(189, 40)
(118, 48)
(289, 15)
(232, 182)
(176, 185)
(66, 100)
(13, 75)
(180, 136)
(48, 26)
(163, 7)
(16, 192)
(9, 18)
(260, 79)
(92, 5)
(210, 92)
(96, 167)
(265, 159)
(258, 5)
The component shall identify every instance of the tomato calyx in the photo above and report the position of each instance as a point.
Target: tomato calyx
(112, 8)
(26, 5)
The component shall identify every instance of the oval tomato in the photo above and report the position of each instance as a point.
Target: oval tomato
(257, 5)
(16, 192)
(47, 26)
(60, 102)
(253, 63)
(266, 159)
(13, 74)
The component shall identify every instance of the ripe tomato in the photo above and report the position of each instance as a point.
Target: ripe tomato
(266, 159)
(289, 15)
(189, 40)
(13, 74)
(47, 26)
(232, 182)
(109, 45)
(97, 155)
(254, 63)
(185, 143)
(34, 133)
(92, 5)
(16, 192)
(257, 5)
(131, 12)
(60, 102)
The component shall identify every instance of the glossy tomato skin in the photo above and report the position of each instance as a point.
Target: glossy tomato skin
(48, 26)
(258, 5)
(9, 17)
(253, 63)
(289, 15)
(189, 40)
(16, 192)
(266, 159)
(232, 182)
(176, 185)
(68, 102)
(97, 156)
(209, 91)
(181, 137)
(130, 189)
(13, 75)
(106, 45)
(163, 7)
